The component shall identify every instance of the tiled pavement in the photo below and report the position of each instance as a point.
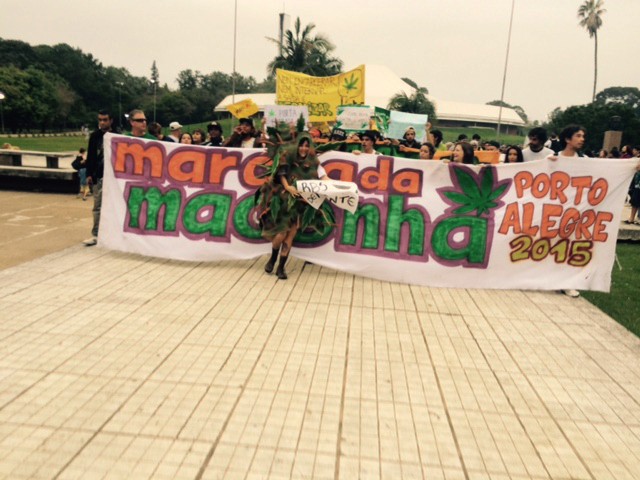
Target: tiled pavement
(120, 366)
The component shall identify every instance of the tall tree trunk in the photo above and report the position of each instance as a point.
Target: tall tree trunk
(595, 69)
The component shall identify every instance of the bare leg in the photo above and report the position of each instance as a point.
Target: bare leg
(634, 211)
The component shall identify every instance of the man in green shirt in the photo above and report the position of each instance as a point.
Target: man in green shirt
(138, 121)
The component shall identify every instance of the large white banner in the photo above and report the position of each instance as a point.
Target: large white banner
(539, 225)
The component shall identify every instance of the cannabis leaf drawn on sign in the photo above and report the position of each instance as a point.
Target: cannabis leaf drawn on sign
(350, 83)
(476, 195)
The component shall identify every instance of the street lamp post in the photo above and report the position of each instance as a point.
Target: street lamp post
(506, 63)
(2, 97)
(120, 84)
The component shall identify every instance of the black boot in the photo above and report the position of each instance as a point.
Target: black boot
(280, 272)
(272, 261)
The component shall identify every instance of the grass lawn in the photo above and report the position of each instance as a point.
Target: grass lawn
(623, 302)
(47, 144)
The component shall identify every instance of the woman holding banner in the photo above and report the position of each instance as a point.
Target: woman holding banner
(281, 210)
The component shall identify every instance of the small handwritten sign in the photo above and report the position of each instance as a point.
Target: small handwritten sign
(343, 195)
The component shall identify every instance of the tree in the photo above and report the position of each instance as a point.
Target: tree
(590, 15)
(519, 110)
(155, 75)
(596, 118)
(301, 52)
(417, 102)
(624, 95)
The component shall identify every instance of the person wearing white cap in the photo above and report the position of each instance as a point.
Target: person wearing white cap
(176, 132)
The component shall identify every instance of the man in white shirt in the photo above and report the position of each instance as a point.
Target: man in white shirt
(536, 149)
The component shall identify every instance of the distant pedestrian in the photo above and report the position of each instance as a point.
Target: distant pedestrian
(82, 173)
(95, 169)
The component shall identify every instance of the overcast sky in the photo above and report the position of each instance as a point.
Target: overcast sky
(455, 48)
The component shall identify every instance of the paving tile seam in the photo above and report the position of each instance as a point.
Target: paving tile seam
(541, 400)
(53, 276)
(508, 398)
(142, 383)
(406, 361)
(443, 398)
(223, 428)
(603, 370)
(336, 473)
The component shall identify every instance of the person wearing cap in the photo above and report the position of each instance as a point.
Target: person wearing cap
(409, 139)
(244, 136)
(176, 132)
(369, 138)
(215, 135)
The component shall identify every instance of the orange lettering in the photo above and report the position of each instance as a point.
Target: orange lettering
(139, 153)
(511, 220)
(559, 181)
(582, 228)
(598, 227)
(180, 158)
(346, 170)
(568, 222)
(598, 192)
(373, 179)
(547, 225)
(522, 181)
(407, 181)
(219, 165)
(580, 183)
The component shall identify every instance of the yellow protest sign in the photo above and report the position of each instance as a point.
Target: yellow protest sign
(321, 95)
(242, 109)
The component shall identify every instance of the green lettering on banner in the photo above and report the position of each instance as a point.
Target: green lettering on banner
(241, 220)
(370, 215)
(217, 225)
(395, 218)
(473, 251)
(155, 200)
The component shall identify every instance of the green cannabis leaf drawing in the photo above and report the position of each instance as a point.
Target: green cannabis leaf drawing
(350, 83)
(479, 197)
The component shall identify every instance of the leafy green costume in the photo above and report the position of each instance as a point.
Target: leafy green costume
(278, 210)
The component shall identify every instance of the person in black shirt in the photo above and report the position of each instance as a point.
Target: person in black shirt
(95, 169)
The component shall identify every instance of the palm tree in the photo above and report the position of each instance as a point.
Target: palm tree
(590, 15)
(417, 102)
(301, 52)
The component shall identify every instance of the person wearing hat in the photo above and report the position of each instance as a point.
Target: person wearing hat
(369, 138)
(176, 132)
(409, 139)
(215, 135)
(244, 136)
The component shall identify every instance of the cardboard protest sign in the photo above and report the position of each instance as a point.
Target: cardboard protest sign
(285, 113)
(400, 121)
(322, 95)
(536, 225)
(354, 118)
(245, 108)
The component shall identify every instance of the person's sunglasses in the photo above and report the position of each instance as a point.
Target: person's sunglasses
(138, 119)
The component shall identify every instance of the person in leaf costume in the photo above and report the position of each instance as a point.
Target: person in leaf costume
(282, 212)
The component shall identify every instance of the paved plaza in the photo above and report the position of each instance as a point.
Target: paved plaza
(121, 366)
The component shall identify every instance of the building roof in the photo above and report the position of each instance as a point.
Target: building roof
(381, 83)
